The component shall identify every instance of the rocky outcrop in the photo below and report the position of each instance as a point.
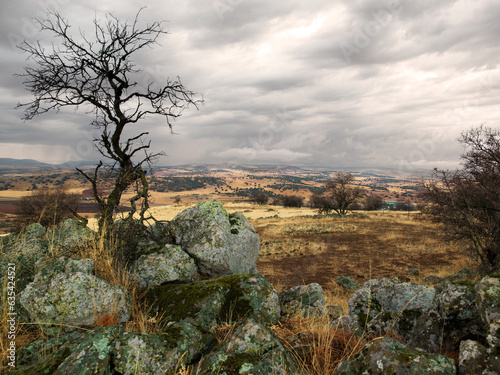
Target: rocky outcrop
(221, 244)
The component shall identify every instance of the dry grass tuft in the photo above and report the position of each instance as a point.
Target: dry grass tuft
(318, 345)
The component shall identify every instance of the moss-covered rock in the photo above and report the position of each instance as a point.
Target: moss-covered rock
(221, 244)
(68, 298)
(207, 303)
(169, 263)
(388, 356)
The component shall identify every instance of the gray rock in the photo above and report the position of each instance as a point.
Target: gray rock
(308, 299)
(159, 353)
(472, 358)
(251, 349)
(81, 352)
(347, 283)
(488, 298)
(452, 318)
(208, 302)
(388, 356)
(396, 305)
(169, 264)
(67, 295)
(221, 244)
(111, 350)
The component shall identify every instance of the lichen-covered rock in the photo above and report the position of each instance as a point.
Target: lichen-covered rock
(81, 352)
(31, 248)
(171, 263)
(347, 283)
(68, 235)
(452, 318)
(159, 353)
(308, 299)
(388, 356)
(67, 295)
(472, 358)
(251, 349)
(207, 303)
(221, 244)
(488, 298)
(396, 305)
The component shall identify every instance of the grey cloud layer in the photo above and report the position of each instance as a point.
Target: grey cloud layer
(345, 83)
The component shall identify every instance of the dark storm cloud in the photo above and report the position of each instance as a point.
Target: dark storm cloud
(346, 83)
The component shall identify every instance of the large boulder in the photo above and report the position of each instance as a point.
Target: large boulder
(385, 306)
(221, 244)
(68, 295)
(208, 303)
(168, 263)
(388, 356)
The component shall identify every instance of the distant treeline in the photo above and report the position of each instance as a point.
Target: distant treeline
(164, 184)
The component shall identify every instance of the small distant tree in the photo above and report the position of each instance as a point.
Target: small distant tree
(403, 206)
(292, 201)
(374, 203)
(47, 207)
(177, 199)
(96, 71)
(467, 200)
(260, 198)
(341, 193)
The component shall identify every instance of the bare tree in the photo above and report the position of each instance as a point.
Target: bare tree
(100, 73)
(467, 201)
(341, 193)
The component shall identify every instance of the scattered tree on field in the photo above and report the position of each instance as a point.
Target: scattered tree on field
(467, 201)
(374, 203)
(292, 201)
(260, 198)
(47, 207)
(339, 194)
(100, 74)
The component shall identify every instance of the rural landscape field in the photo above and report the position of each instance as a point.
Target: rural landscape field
(298, 246)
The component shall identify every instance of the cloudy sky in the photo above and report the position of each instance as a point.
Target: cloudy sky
(345, 83)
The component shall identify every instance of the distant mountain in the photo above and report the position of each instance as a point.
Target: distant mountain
(8, 163)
